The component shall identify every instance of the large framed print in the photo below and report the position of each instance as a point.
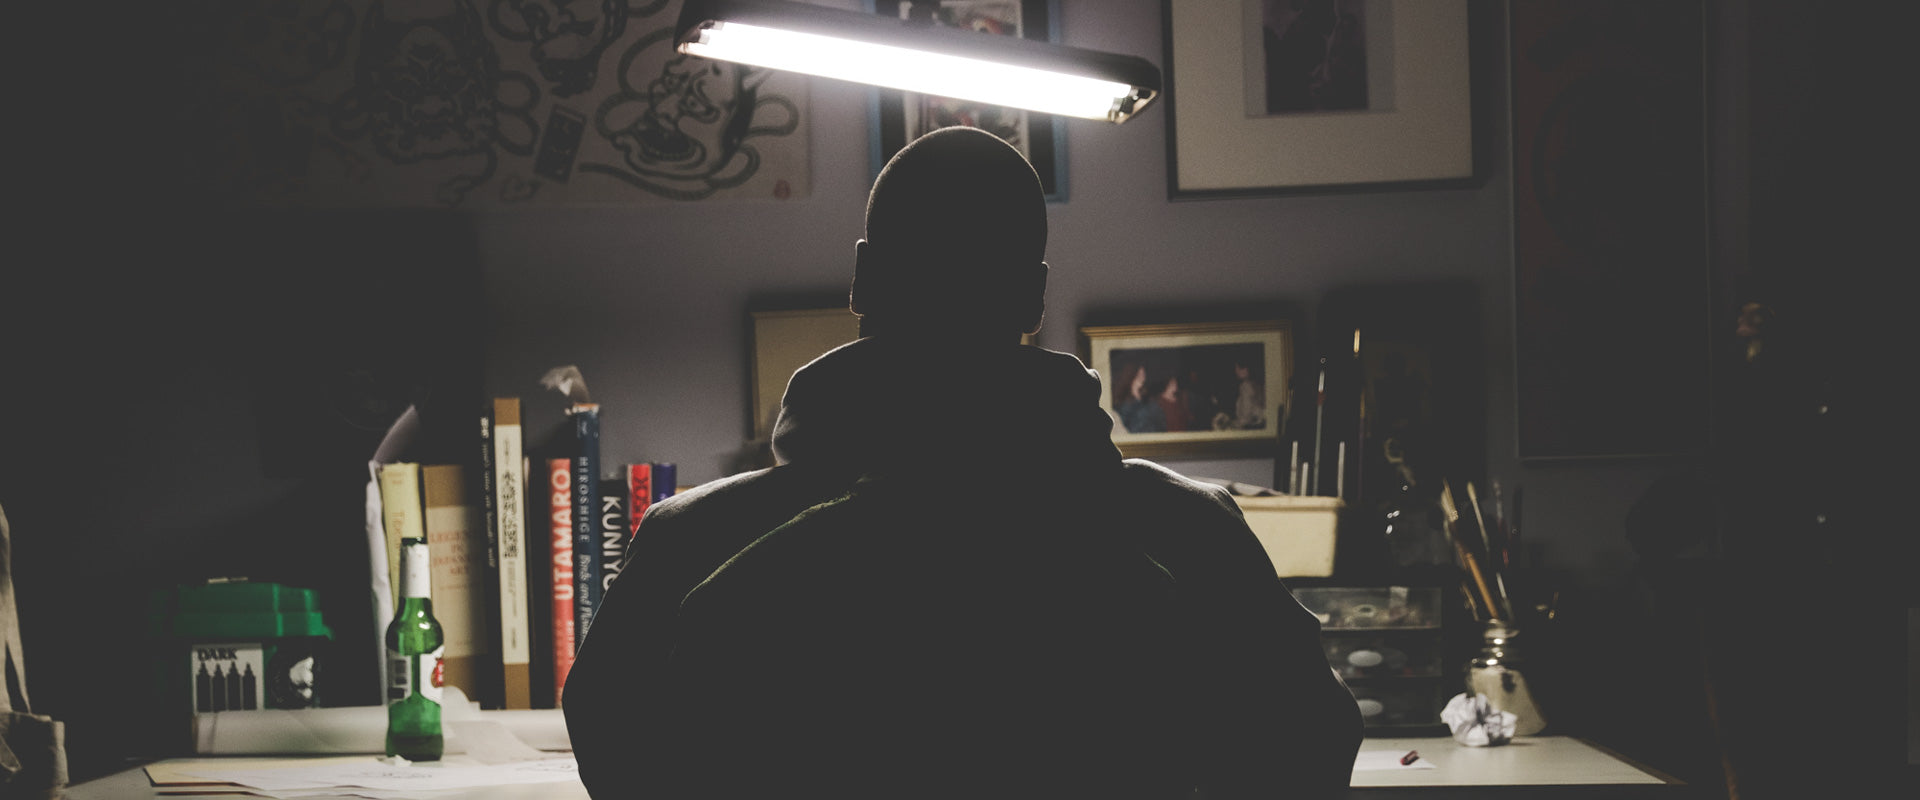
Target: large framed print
(1613, 314)
(1194, 390)
(901, 117)
(1338, 95)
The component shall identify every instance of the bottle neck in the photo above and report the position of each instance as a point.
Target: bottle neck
(415, 572)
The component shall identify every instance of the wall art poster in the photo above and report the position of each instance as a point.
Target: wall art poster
(482, 103)
(1612, 302)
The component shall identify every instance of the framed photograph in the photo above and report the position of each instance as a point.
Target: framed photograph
(1613, 310)
(1268, 97)
(1194, 390)
(784, 341)
(900, 117)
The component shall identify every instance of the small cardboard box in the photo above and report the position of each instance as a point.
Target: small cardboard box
(230, 645)
(1298, 532)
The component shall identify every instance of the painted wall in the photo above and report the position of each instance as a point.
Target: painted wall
(652, 304)
(134, 448)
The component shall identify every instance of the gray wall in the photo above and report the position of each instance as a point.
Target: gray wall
(651, 303)
(138, 341)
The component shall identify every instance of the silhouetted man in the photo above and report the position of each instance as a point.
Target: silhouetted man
(952, 585)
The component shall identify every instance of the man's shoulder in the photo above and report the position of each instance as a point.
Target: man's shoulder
(1155, 484)
(770, 492)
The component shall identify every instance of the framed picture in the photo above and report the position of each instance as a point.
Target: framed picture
(784, 341)
(900, 117)
(1196, 390)
(1613, 312)
(1324, 95)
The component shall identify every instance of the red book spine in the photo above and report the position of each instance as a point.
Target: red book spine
(559, 485)
(639, 494)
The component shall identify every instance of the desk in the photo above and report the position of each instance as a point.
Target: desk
(1532, 766)
(1553, 766)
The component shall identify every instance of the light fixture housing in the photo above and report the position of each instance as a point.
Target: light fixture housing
(918, 57)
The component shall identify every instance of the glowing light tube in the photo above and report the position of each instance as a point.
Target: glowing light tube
(911, 70)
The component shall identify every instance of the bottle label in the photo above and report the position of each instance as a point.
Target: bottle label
(423, 673)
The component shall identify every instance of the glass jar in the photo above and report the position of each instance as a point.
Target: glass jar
(1498, 673)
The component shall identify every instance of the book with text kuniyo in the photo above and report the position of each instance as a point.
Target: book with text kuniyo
(510, 519)
(586, 514)
(456, 550)
(400, 513)
(561, 588)
(613, 531)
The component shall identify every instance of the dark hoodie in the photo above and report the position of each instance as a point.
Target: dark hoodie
(953, 585)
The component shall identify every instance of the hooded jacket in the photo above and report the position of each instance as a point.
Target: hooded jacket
(953, 586)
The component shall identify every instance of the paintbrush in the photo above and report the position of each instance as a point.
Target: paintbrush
(1486, 541)
(1500, 525)
(1514, 529)
(1450, 515)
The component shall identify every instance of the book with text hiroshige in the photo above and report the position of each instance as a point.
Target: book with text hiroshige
(585, 418)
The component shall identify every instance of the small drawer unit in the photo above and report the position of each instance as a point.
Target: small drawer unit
(1388, 644)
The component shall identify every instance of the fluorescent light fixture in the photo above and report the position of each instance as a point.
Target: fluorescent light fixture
(918, 57)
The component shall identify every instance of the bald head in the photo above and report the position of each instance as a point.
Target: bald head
(956, 237)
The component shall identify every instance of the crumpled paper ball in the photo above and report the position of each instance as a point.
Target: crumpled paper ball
(1475, 722)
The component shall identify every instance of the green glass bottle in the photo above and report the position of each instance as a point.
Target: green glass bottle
(414, 647)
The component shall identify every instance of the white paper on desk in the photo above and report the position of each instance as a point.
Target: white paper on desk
(362, 729)
(1380, 760)
(370, 773)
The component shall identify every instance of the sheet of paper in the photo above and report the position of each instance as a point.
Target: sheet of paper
(188, 773)
(369, 773)
(1387, 759)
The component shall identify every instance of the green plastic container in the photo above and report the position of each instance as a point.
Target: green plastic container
(233, 645)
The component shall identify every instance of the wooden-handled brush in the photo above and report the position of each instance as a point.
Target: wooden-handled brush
(1486, 539)
(1451, 516)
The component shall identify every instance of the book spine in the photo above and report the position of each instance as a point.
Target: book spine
(560, 505)
(400, 513)
(486, 582)
(455, 553)
(665, 480)
(586, 515)
(613, 532)
(509, 464)
(639, 495)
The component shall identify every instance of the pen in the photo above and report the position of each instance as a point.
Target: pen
(1410, 757)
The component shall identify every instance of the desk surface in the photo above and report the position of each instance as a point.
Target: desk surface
(1540, 761)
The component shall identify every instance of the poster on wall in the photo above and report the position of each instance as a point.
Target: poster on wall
(483, 103)
(901, 117)
(1612, 300)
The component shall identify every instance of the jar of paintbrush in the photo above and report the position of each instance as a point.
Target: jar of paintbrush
(1496, 672)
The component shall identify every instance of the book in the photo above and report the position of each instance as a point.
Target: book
(562, 587)
(400, 513)
(613, 532)
(510, 519)
(639, 495)
(491, 682)
(457, 552)
(586, 514)
(664, 480)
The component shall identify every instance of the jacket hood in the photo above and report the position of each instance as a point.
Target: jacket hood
(880, 402)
